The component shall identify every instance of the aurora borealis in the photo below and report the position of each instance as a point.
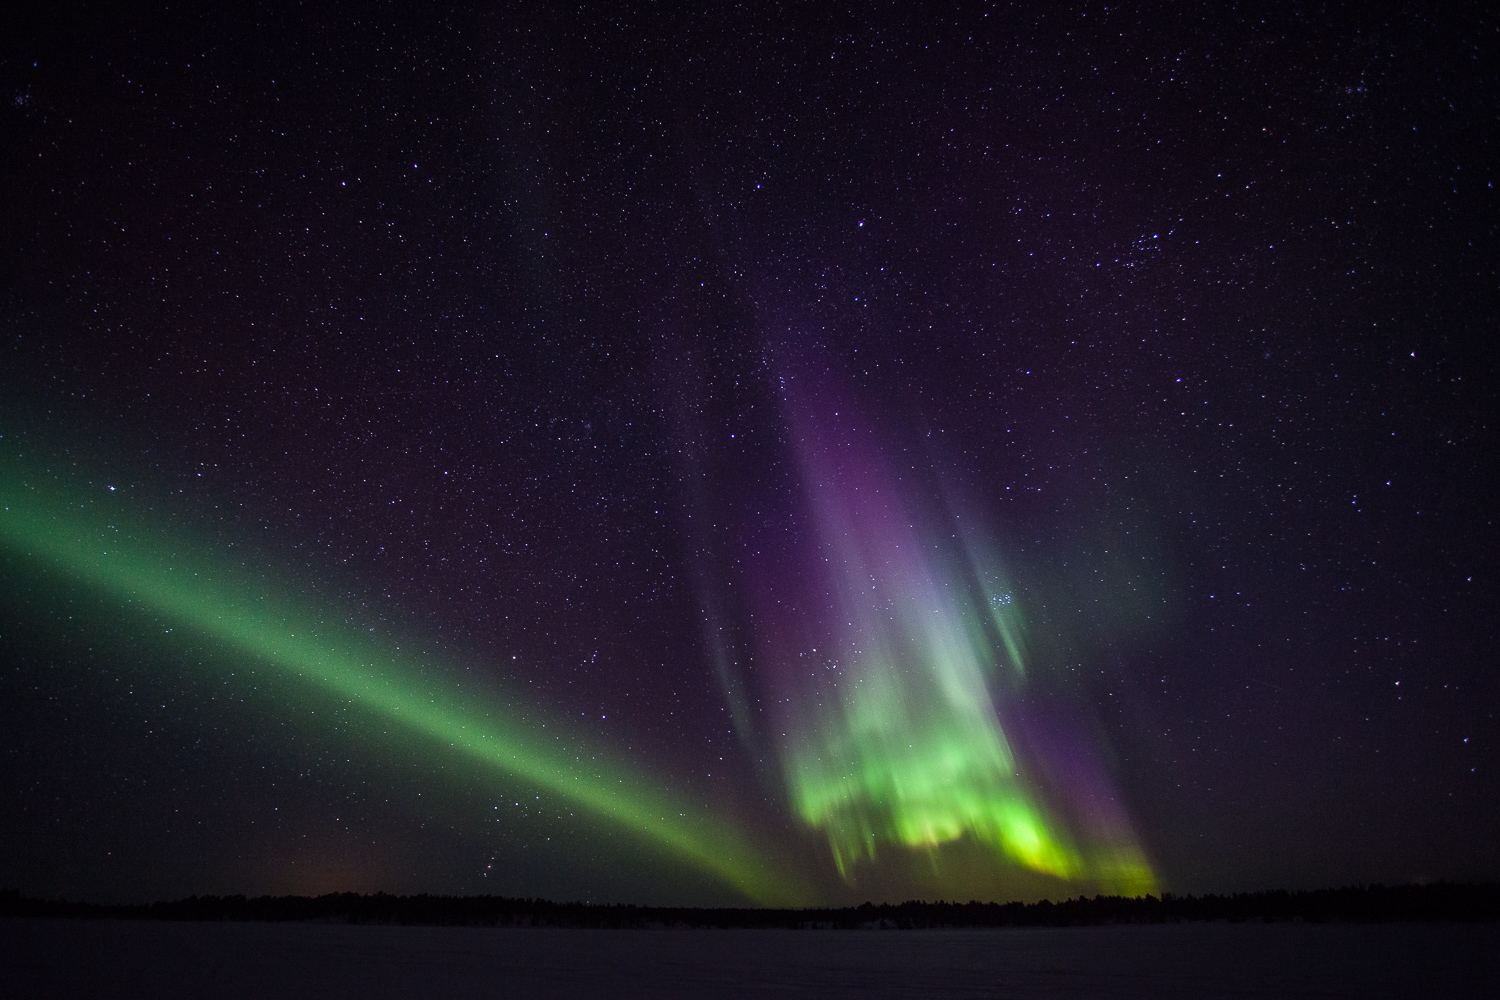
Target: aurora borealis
(741, 457)
(912, 753)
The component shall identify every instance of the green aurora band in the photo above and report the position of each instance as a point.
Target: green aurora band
(226, 602)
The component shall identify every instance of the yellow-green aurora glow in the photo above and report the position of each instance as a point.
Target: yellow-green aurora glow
(90, 543)
(893, 736)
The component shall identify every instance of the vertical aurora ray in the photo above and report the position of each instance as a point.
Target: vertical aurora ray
(225, 602)
(890, 670)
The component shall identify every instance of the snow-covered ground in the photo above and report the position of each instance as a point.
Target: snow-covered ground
(81, 958)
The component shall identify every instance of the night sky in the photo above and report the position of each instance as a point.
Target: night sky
(747, 454)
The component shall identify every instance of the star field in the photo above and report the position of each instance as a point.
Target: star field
(1098, 404)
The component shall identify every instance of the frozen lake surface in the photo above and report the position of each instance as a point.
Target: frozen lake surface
(81, 958)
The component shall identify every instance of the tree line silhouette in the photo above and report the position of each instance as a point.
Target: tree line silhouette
(1444, 901)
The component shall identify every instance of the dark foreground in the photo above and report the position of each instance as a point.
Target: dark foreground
(117, 958)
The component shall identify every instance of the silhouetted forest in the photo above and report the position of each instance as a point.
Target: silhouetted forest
(1355, 904)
